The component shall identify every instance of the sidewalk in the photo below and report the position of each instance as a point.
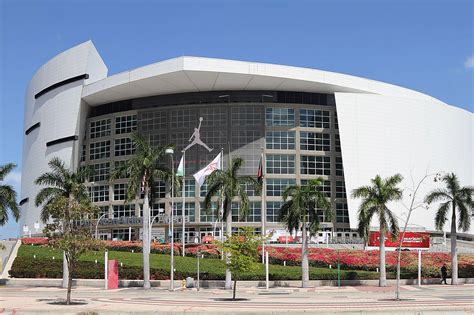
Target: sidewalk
(322, 300)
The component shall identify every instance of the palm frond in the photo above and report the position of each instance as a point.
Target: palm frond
(441, 215)
(5, 170)
(393, 224)
(362, 192)
(438, 195)
(464, 221)
(48, 193)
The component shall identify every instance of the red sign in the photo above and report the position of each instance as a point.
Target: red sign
(410, 240)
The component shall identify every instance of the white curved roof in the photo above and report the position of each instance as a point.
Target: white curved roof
(197, 74)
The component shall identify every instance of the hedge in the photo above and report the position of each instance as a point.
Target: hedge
(25, 267)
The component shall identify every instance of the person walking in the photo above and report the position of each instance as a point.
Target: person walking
(444, 274)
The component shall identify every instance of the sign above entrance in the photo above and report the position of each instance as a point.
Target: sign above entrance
(162, 219)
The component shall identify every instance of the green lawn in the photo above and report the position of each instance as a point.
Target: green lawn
(186, 265)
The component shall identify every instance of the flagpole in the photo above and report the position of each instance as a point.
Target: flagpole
(222, 201)
(264, 211)
(184, 198)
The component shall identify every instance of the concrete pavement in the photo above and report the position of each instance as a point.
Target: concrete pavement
(432, 299)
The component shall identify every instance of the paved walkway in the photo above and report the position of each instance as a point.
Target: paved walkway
(322, 300)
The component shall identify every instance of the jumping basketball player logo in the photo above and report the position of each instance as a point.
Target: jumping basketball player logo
(197, 138)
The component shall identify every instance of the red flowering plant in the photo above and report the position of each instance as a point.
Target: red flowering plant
(34, 241)
(208, 250)
(369, 260)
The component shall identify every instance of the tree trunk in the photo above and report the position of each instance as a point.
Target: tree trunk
(454, 254)
(146, 240)
(69, 283)
(383, 274)
(398, 269)
(228, 276)
(65, 271)
(304, 259)
(235, 287)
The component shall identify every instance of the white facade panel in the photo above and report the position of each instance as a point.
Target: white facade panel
(388, 135)
(60, 114)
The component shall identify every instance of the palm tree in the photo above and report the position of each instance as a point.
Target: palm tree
(231, 185)
(455, 197)
(300, 211)
(7, 196)
(65, 187)
(144, 168)
(374, 202)
(61, 182)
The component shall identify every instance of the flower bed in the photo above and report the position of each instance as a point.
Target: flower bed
(34, 241)
(370, 259)
(318, 257)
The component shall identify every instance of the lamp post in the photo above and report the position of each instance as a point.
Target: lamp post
(170, 152)
(198, 254)
(97, 225)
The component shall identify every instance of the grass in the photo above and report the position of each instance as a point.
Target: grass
(187, 265)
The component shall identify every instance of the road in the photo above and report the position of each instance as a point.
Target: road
(430, 299)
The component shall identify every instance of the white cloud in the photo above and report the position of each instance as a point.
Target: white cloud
(469, 62)
(14, 179)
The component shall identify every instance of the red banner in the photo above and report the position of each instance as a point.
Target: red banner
(410, 240)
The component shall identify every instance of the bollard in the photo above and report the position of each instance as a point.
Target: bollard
(267, 278)
(106, 266)
(419, 268)
(330, 267)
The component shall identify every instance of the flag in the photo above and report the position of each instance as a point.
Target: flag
(180, 170)
(211, 167)
(260, 170)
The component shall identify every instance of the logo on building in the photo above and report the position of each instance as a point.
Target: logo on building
(197, 138)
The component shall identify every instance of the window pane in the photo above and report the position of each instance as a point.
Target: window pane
(125, 124)
(315, 165)
(280, 164)
(314, 118)
(276, 116)
(280, 140)
(315, 141)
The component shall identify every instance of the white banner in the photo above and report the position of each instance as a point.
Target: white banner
(211, 167)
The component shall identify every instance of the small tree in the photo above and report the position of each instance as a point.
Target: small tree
(243, 250)
(414, 204)
(67, 233)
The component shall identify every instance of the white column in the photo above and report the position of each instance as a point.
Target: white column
(419, 268)
(106, 267)
(267, 278)
(184, 199)
(263, 211)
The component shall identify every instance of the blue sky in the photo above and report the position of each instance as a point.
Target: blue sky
(423, 45)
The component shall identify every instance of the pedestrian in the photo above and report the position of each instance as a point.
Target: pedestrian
(444, 274)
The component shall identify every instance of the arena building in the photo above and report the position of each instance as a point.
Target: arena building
(308, 123)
